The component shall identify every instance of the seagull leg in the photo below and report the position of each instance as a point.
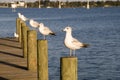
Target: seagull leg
(14, 10)
(44, 37)
(70, 52)
(74, 53)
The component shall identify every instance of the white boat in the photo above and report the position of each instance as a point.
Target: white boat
(39, 4)
(59, 5)
(13, 6)
(88, 5)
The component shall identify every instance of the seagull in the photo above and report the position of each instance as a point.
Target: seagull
(19, 15)
(22, 17)
(72, 43)
(45, 30)
(34, 23)
(16, 35)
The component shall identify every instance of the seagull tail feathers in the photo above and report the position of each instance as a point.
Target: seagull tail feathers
(53, 34)
(85, 45)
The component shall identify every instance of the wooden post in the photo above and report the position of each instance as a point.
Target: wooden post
(42, 49)
(68, 68)
(18, 28)
(32, 50)
(22, 33)
(19, 32)
(17, 24)
(24, 29)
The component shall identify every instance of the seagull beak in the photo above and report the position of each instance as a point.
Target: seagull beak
(63, 30)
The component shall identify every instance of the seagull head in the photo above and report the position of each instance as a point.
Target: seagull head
(67, 29)
(41, 25)
(19, 13)
(31, 20)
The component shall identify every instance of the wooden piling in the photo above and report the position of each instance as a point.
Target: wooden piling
(32, 50)
(68, 68)
(22, 33)
(19, 32)
(17, 24)
(42, 49)
(18, 28)
(24, 30)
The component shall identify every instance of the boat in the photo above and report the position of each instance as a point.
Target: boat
(13, 6)
(88, 5)
(59, 5)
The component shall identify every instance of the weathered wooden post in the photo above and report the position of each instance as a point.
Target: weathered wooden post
(68, 68)
(18, 28)
(17, 24)
(32, 50)
(22, 33)
(21, 36)
(42, 49)
(19, 32)
(24, 30)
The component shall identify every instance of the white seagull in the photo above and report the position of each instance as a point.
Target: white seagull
(71, 42)
(19, 15)
(16, 35)
(22, 17)
(45, 30)
(34, 23)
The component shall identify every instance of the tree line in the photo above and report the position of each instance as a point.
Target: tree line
(67, 4)
(75, 4)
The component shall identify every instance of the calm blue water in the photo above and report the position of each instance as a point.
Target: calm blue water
(100, 27)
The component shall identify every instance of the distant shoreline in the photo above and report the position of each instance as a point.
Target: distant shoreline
(60, 4)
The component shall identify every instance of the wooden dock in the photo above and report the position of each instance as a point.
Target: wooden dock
(12, 64)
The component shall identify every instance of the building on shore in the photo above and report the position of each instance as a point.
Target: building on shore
(18, 4)
(4, 5)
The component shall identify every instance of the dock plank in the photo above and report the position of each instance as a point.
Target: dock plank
(12, 64)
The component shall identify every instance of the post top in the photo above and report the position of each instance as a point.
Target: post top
(69, 57)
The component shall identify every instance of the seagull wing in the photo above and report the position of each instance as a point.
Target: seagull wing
(47, 30)
(34, 23)
(77, 43)
(80, 44)
(24, 18)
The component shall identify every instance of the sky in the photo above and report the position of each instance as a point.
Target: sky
(50, 0)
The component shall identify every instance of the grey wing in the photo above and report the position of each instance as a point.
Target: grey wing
(36, 23)
(77, 42)
(47, 30)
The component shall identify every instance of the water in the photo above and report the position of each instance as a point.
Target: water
(100, 27)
